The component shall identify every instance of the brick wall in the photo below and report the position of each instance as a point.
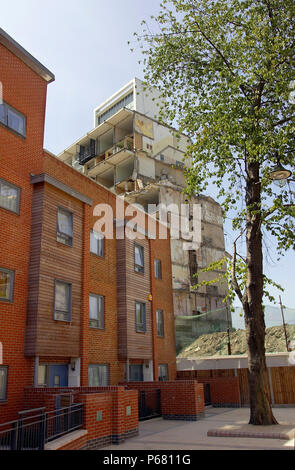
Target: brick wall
(164, 347)
(24, 90)
(106, 417)
(180, 399)
(224, 391)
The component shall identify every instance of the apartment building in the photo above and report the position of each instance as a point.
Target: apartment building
(142, 161)
(77, 308)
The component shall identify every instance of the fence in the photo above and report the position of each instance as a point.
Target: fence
(36, 427)
(189, 328)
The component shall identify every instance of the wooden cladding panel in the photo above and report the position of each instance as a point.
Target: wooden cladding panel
(57, 261)
(283, 384)
(34, 271)
(133, 286)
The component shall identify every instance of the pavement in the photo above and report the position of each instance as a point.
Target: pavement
(160, 434)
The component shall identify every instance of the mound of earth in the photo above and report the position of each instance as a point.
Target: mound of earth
(215, 344)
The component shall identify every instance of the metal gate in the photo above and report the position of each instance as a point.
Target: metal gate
(149, 404)
(207, 394)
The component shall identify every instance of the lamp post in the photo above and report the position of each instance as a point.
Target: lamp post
(279, 173)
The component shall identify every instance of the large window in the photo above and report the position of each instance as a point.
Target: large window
(140, 317)
(62, 301)
(64, 226)
(163, 372)
(6, 284)
(9, 196)
(3, 382)
(96, 311)
(98, 375)
(160, 322)
(97, 243)
(158, 269)
(139, 258)
(12, 119)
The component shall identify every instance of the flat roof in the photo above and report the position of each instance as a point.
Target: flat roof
(25, 56)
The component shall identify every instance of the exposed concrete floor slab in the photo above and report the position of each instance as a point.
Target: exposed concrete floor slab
(159, 434)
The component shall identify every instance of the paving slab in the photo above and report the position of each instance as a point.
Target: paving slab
(278, 431)
(160, 434)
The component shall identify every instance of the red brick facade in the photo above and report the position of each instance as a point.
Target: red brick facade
(29, 334)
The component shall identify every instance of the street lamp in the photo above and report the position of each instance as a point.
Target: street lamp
(279, 173)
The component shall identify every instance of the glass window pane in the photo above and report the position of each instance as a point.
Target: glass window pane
(65, 222)
(97, 243)
(16, 121)
(163, 372)
(3, 382)
(139, 258)
(62, 301)
(160, 322)
(42, 374)
(96, 311)
(3, 115)
(93, 311)
(140, 316)
(93, 243)
(6, 284)
(9, 196)
(98, 375)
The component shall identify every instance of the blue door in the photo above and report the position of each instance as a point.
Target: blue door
(58, 375)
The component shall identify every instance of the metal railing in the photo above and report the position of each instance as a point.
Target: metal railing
(32, 431)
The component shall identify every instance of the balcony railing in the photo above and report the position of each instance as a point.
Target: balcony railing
(36, 427)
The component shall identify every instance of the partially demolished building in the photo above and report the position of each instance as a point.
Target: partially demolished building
(141, 160)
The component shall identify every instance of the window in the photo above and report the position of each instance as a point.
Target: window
(98, 375)
(3, 382)
(6, 284)
(138, 258)
(97, 243)
(160, 322)
(96, 311)
(140, 320)
(64, 226)
(13, 119)
(136, 373)
(62, 301)
(9, 196)
(163, 372)
(42, 375)
(158, 269)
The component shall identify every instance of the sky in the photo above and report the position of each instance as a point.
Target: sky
(85, 44)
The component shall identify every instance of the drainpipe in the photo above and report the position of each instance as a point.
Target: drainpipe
(127, 370)
(36, 367)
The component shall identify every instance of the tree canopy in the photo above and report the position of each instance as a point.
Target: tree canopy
(226, 71)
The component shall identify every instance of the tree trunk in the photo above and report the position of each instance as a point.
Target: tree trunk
(261, 413)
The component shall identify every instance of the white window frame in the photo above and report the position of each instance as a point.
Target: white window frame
(100, 243)
(62, 237)
(100, 314)
(11, 286)
(67, 312)
(18, 191)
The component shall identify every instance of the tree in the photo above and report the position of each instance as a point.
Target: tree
(224, 69)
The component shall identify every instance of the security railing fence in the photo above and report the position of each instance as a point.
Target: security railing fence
(36, 427)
